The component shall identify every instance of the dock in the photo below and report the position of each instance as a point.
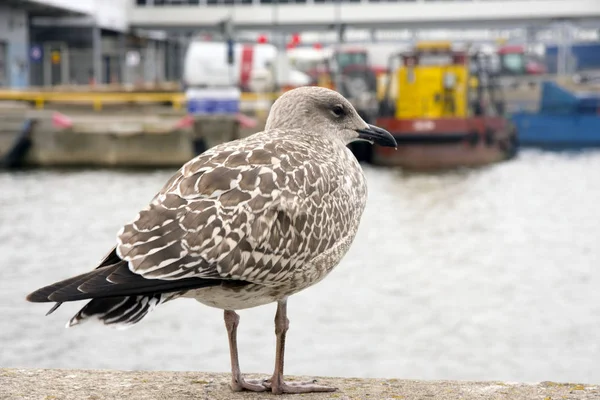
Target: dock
(148, 135)
(134, 126)
(115, 126)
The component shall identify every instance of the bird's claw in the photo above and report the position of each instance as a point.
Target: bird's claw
(252, 385)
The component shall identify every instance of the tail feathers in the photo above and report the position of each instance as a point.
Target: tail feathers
(114, 280)
(109, 259)
(120, 312)
(54, 307)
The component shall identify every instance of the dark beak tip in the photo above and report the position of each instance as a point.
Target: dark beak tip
(378, 135)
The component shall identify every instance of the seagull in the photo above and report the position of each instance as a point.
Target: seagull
(247, 223)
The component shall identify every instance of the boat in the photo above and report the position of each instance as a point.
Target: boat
(445, 108)
(563, 121)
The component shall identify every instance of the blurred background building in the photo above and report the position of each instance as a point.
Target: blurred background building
(53, 42)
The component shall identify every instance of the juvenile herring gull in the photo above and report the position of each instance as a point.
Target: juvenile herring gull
(244, 224)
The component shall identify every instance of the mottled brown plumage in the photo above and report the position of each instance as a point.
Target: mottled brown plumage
(244, 224)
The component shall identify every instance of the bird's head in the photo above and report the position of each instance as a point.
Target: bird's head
(321, 111)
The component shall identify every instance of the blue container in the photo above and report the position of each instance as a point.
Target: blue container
(197, 106)
(229, 106)
(198, 101)
(557, 131)
(222, 106)
(207, 101)
(586, 55)
(589, 104)
(227, 100)
(564, 120)
(556, 100)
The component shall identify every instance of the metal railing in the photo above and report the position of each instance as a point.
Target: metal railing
(98, 99)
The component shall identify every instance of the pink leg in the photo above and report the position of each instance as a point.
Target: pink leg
(277, 384)
(238, 383)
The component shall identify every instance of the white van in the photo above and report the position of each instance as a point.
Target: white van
(206, 65)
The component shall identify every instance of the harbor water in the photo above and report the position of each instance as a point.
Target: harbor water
(488, 274)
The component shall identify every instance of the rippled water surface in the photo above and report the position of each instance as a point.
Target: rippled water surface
(484, 274)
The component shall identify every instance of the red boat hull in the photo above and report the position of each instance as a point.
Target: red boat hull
(436, 144)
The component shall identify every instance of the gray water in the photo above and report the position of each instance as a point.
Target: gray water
(481, 274)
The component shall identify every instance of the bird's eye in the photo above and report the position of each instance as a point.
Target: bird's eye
(338, 111)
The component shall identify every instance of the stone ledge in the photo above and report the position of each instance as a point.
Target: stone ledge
(62, 384)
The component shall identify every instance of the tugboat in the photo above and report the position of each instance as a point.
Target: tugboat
(445, 109)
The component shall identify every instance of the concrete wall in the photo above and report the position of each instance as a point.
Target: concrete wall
(14, 39)
(136, 138)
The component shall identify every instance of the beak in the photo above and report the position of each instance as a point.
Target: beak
(375, 134)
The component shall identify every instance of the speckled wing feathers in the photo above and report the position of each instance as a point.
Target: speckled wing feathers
(243, 210)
